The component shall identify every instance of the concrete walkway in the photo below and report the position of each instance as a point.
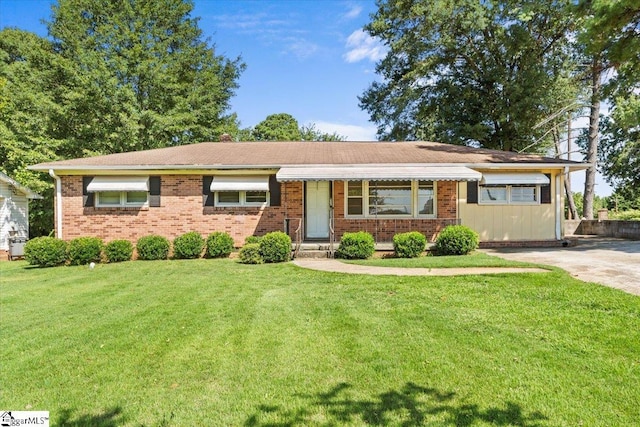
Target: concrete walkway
(335, 266)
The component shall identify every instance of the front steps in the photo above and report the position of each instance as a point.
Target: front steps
(321, 249)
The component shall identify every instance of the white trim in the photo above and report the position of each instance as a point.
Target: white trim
(242, 200)
(118, 183)
(558, 210)
(123, 200)
(58, 205)
(514, 179)
(240, 183)
(415, 209)
(398, 172)
(508, 200)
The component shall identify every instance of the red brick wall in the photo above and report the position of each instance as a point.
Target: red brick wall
(383, 230)
(181, 211)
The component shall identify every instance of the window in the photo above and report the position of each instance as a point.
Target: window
(241, 198)
(121, 198)
(390, 198)
(510, 194)
(354, 198)
(426, 197)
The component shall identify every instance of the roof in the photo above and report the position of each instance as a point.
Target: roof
(269, 155)
(19, 187)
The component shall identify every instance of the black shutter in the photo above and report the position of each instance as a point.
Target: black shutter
(87, 198)
(274, 191)
(472, 192)
(207, 195)
(154, 191)
(545, 191)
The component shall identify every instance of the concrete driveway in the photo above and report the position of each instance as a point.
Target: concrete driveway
(610, 262)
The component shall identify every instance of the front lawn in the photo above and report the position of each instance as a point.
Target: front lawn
(213, 342)
(474, 259)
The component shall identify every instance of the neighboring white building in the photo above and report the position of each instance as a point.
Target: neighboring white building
(14, 210)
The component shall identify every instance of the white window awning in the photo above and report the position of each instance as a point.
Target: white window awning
(514, 179)
(118, 183)
(378, 173)
(240, 183)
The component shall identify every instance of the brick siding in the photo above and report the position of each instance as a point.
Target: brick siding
(181, 210)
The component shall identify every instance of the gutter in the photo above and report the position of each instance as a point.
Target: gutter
(58, 206)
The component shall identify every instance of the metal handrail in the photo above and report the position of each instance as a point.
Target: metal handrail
(298, 234)
(332, 236)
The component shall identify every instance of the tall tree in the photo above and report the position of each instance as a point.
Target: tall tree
(468, 72)
(609, 38)
(147, 77)
(277, 127)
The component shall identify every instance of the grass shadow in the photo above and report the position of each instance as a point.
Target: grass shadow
(412, 405)
(112, 417)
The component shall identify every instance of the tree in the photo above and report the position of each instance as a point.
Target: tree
(277, 127)
(468, 72)
(147, 79)
(33, 84)
(608, 38)
(311, 133)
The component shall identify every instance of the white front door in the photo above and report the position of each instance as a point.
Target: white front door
(317, 209)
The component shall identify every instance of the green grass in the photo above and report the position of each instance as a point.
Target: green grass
(474, 259)
(212, 342)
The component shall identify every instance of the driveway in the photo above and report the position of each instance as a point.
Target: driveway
(610, 262)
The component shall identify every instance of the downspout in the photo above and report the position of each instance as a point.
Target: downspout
(58, 206)
(558, 201)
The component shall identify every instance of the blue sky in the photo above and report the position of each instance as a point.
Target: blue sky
(307, 58)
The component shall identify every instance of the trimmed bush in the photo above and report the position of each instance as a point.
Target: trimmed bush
(456, 240)
(188, 246)
(219, 245)
(118, 250)
(152, 247)
(275, 247)
(409, 245)
(84, 250)
(45, 251)
(358, 245)
(250, 254)
(252, 239)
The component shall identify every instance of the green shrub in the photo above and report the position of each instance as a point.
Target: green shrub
(358, 245)
(152, 247)
(409, 245)
(118, 250)
(219, 245)
(45, 251)
(275, 247)
(84, 250)
(630, 215)
(250, 254)
(456, 240)
(188, 246)
(252, 239)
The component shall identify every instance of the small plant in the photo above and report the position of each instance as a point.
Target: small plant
(358, 245)
(275, 247)
(456, 240)
(188, 246)
(219, 245)
(252, 239)
(46, 251)
(84, 250)
(250, 254)
(118, 250)
(409, 245)
(152, 247)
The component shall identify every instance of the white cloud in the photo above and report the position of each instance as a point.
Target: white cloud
(353, 12)
(362, 46)
(351, 132)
